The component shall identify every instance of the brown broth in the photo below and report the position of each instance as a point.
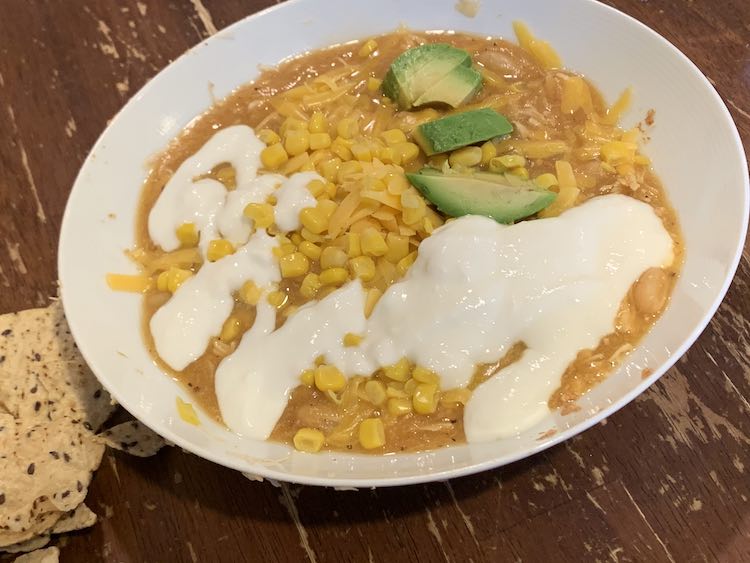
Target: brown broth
(528, 95)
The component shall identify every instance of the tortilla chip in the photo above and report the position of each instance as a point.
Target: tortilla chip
(133, 438)
(48, 555)
(42, 373)
(29, 545)
(82, 517)
(46, 471)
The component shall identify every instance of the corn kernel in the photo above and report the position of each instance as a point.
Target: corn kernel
(260, 213)
(310, 286)
(399, 405)
(361, 152)
(313, 220)
(457, 395)
(311, 237)
(341, 149)
(250, 293)
(309, 249)
(371, 433)
(375, 392)
(274, 156)
(372, 242)
(296, 239)
(410, 386)
(373, 84)
(320, 141)
(294, 265)
(296, 142)
(278, 299)
(405, 263)
(520, 171)
(218, 249)
(326, 208)
(329, 378)
(161, 281)
(308, 440)
(318, 123)
(407, 151)
(424, 375)
(269, 136)
(511, 160)
(187, 235)
(332, 257)
(546, 181)
(230, 330)
(412, 216)
(284, 249)
(368, 48)
(425, 398)
(329, 169)
(398, 371)
(331, 190)
(320, 360)
(353, 245)
(187, 412)
(292, 124)
(466, 157)
(362, 267)
(489, 151)
(176, 277)
(307, 377)
(347, 128)
(372, 298)
(387, 155)
(393, 136)
(351, 340)
(398, 247)
(333, 276)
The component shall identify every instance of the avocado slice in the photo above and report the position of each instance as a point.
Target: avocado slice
(417, 69)
(504, 199)
(455, 88)
(461, 129)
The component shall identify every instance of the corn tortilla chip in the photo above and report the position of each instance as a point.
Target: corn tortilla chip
(132, 437)
(37, 542)
(42, 374)
(48, 555)
(80, 518)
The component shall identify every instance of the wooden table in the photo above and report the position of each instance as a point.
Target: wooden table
(665, 479)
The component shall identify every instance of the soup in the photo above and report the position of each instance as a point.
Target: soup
(347, 201)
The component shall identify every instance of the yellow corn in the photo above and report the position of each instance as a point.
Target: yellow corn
(398, 371)
(546, 181)
(405, 263)
(320, 141)
(340, 148)
(347, 128)
(294, 265)
(187, 412)
(313, 220)
(398, 247)
(425, 398)
(399, 405)
(310, 286)
(329, 378)
(410, 386)
(375, 392)
(318, 123)
(329, 169)
(353, 245)
(308, 440)
(269, 136)
(387, 155)
(412, 216)
(296, 238)
(311, 237)
(372, 433)
(296, 142)
(424, 375)
(373, 243)
(488, 152)
(278, 299)
(326, 208)
(395, 390)
(187, 235)
(176, 277)
(332, 257)
(373, 295)
(133, 283)
(274, 156)
(618, 152)
(511, 160)
(333, 276)
(467, 157)
(361, 152)
(408, 152)
(368, 48)
(284, 250)
(393, 136)
(309, 249)
(351, 340)
(230, 330)
(373, 84)
(362, 267)
(292, 124)
(260, 213)
(307, 377)
(250, 293)
(457, 395)
(218, 249)
(520, 171)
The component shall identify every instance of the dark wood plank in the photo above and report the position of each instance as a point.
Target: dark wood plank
(666, 479)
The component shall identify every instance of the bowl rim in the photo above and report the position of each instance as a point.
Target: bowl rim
(561, 436)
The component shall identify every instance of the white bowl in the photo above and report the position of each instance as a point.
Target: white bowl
(695, 149)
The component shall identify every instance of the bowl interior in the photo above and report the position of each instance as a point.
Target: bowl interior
(694, 146)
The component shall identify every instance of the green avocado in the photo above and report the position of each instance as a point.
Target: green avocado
(498, 196)
(455, 88)
(418, 69)
(461, 129)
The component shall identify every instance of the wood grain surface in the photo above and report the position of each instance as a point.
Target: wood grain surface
(665, 479)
